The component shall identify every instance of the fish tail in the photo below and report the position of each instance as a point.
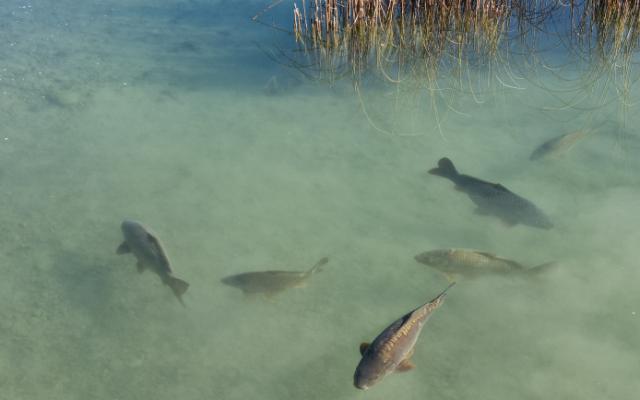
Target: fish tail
(445, 169)
(542, 268)
(178, 286)
(442, 294)
(318, 266)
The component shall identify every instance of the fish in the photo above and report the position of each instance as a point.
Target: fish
(558, 145)
(150, 254)
(270, 283)
(393, 348)
(494, 199)
(473, 263)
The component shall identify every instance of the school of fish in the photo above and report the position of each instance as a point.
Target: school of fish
(392, 349)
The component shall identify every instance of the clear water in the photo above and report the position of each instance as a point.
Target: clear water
(158, 111)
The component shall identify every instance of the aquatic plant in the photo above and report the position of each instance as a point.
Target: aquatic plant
(422, 38)
(471, 47)
(399, 35)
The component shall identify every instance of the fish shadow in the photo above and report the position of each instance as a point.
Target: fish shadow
(84, 284)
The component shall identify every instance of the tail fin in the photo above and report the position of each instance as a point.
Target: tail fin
(178, 286)
(318, 266)
(443, 294)
(540, 269)
(445, 169)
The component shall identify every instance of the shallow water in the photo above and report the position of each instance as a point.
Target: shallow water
(130, 109)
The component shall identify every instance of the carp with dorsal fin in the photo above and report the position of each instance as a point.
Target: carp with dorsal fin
(270, 283)
(473, 263)
(493, 198)
(150, 253)
(392, 349)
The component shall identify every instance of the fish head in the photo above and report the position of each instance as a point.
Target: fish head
(368, 373)
(232, 280)
(433, 258)
(132, 228)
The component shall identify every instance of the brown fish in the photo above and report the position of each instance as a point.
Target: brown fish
(272, 282)
(392, 349)
(473, 263)
(150, 253)
(558, 145)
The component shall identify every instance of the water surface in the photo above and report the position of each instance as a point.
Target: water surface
(163, 113)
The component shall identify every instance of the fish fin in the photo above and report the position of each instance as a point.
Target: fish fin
(153, 239)
(458, 188)
(163, 259)
(156, 243)
(444, 292)
(178, 286)
(363, 347)
(123, 248)
(514, 264)
(140, 267)
(486, 254)
(536, 155)
(445, 169)
(318, 266)
(405, 365)
(541, 268)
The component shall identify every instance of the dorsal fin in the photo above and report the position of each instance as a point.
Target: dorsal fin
(162, 256)
(492, 256)
(487, 254)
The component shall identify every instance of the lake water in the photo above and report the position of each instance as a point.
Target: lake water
(162, 112)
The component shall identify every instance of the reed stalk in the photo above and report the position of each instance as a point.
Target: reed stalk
(431, 35)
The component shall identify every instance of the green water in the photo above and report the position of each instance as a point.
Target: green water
(158, 111)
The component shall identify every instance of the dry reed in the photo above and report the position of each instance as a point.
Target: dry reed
(425, 36)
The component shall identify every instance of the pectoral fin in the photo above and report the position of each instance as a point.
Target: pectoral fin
(140, 267)
(405, 365)
(363, 347)
(123, 248)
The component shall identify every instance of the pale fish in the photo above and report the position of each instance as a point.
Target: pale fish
(272, 282)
